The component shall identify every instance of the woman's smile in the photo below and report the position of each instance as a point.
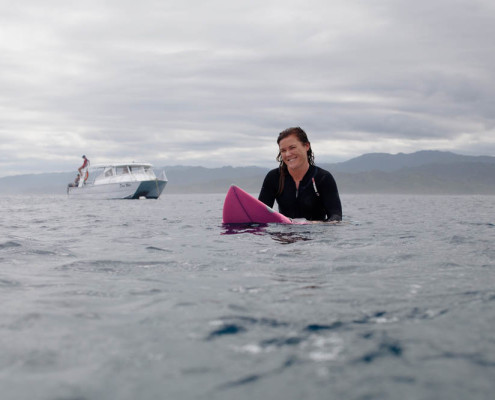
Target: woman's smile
(294, 153)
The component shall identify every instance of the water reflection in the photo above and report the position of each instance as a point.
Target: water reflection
(290, 237)
(235, 229)
(286, 237)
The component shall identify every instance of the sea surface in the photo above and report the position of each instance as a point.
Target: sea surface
(156, 299)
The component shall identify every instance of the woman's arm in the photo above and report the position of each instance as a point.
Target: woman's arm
(330, 197)
(269, 189)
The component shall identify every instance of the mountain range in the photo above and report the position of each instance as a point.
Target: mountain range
(422, 172)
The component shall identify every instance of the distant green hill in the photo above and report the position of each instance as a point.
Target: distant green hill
(394, 162)
(423, 172)
(455, 178)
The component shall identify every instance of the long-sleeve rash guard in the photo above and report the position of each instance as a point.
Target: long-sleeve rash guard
(318, 201)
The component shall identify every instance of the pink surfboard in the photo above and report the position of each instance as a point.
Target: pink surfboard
(242, 208)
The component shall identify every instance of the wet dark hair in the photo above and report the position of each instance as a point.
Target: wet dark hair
(303, 138)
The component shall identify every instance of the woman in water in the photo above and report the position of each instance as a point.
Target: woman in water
(302, 189)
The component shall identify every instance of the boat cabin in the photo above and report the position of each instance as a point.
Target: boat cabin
(115, 173)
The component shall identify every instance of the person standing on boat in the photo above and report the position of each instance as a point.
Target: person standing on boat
(301, 189)
(84, 165)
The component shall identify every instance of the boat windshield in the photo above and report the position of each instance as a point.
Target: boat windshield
(137, 171)
(93, 175)
(143, 170)
(149, 171)
(122, 170)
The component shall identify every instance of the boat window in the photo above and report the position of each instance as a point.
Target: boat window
(122, 170)
(93, 176)
(149, 171)
(109, 172)
(136, 170)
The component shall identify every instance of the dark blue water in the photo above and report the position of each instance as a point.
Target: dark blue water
(155, 299)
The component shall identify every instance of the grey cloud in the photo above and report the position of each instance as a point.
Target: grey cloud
(149, 78)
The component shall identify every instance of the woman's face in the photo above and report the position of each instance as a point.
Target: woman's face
(294, 153)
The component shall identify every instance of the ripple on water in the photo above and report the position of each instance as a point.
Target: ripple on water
(8, 283)
(114, 266)
(233, 325)
(386, 347)
(315, 342)
(25, 321)
(158, 249)
(9, 245)
(383, 308)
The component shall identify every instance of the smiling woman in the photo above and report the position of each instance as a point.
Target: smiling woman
(302, 189)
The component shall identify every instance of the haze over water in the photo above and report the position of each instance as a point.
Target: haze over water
(157, 299)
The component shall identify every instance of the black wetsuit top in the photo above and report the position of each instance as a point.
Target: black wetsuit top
(322, 204)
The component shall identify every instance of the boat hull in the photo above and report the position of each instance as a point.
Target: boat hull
(151, 189)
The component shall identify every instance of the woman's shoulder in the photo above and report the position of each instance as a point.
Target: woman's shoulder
(272, 178)
(274, 172)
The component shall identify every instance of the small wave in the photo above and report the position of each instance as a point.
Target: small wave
(112, 266)
(153, 248)
(9, 245)
(473, 358)
(415, 313)
(318, 327)
(370, 318)
(242, 381)
(488, 224)
(408, 237)
(229, 329)
(282, 342)
(420, 313)
(313, 342)
(386, 348)
(248, 379)
(43, 252)
(484, 296)
(9, 283)
(239, 324)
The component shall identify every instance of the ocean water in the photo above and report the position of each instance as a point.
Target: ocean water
(155, 299)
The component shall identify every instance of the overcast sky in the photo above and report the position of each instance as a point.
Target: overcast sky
(212, 83)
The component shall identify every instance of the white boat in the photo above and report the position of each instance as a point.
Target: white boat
(118, 181)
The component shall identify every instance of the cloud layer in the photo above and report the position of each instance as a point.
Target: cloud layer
(213, 83)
